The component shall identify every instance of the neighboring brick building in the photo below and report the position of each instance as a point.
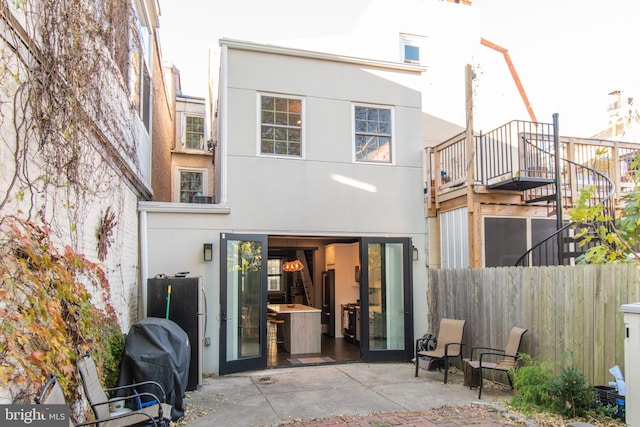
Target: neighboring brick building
(90, 151)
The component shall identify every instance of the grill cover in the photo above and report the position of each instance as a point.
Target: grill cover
(158, 350)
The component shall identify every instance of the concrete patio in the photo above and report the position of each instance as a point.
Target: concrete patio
(285, 395)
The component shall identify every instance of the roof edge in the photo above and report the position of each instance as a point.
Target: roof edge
(301, 53)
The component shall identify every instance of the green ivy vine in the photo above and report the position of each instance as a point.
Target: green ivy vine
(54, 306)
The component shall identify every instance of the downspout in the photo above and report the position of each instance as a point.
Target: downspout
(222, 123)
(144, 264)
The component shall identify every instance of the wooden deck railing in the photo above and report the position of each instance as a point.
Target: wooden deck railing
(501, 154)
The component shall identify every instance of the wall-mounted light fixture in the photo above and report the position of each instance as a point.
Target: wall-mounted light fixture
(208, 251)
(414, 253)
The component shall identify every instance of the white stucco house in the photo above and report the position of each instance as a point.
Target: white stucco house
(314, 150)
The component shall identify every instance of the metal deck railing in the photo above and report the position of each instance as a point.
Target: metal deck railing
(520, 156)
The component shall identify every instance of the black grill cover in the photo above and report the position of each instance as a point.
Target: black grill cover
(158, 350)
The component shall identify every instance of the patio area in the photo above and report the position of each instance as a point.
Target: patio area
(274, 397)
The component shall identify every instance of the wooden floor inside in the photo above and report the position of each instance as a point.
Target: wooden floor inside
(333, 350)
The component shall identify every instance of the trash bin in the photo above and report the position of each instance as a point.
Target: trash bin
(158, 350)
(631, 357)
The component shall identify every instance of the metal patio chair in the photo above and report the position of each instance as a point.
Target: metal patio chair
(448, 344)
(99, 400)
(502, 360)
(52, 394)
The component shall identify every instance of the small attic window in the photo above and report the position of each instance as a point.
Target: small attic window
(410, 45)
(411, 53)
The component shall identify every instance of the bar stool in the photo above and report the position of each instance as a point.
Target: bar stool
(276, 331)
(272, 331)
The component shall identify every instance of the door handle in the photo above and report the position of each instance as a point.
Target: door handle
(206, 310)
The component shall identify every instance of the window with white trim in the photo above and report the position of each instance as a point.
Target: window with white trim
(280, 126)
(191, 185)
(411, 53)
(194, 132)
(410, 48)
(274, 274)
(372, 134)
(140, 69)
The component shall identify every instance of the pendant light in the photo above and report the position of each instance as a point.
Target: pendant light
(291, 266)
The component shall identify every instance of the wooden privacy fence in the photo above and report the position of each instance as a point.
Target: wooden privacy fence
(568, 310)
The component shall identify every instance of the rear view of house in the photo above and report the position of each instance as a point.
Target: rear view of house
(315, 152)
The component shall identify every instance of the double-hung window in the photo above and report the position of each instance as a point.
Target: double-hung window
(191, 185)
(194, 132)
(141, 70)
(373, 135)
(280, 126)
(274, 275)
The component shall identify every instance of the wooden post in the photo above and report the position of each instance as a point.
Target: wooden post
(436, 178)
(473, 204)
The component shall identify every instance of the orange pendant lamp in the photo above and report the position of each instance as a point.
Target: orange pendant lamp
(291, 266)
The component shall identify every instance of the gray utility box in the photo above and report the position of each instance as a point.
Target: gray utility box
(631, 365)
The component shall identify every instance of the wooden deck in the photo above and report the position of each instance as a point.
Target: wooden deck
(512, 172)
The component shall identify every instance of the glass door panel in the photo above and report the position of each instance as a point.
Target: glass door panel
(386, 299)
(243, 290)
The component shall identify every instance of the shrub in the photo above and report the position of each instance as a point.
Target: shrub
(568, 394)
(532, 384)
(48, 316)
(571, 394)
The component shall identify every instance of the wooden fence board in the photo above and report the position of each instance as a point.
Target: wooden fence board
(565, 286)
(589, 316)
(611, 311)
(599, 321)
(568, 311)
(578, 321)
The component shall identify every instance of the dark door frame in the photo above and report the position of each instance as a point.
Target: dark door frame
(258, 361)
(375, 355)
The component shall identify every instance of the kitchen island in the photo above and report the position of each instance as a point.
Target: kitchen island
(301, 327)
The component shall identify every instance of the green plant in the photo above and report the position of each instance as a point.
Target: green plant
(48, 315)
(571, 394)
(111, 359)
(532, 384)
(616, 243)
(606, 411)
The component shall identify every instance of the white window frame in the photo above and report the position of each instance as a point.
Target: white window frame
(259, 126)
(413, 41)
(178, 176)
(183, 126)
(277, 275)
(144, 79)
(392, 135)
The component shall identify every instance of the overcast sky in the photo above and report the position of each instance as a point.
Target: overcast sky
(569, 54)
